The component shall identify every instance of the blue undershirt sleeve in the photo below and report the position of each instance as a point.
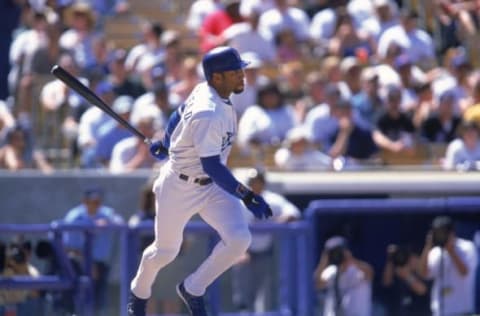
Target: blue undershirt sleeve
(220, 174)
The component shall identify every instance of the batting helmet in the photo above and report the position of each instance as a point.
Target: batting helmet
(222, 59)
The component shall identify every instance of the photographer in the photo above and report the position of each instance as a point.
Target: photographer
(406, 291)
(346, 280)
(16, 262)
(451, 263)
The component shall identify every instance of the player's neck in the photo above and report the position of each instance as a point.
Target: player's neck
(223, 93)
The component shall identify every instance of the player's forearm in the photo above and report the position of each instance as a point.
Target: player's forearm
(219, 173)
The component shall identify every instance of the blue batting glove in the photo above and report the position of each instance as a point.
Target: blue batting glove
(158, 150)
(257, 205)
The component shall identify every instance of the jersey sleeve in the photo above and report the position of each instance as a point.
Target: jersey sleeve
(206, 135)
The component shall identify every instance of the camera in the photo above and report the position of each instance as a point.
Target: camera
(336, 255)
(440, 237)
(399, 257)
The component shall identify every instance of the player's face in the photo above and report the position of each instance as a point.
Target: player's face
(233, 81)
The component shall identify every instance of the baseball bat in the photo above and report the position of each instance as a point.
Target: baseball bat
(94, 99)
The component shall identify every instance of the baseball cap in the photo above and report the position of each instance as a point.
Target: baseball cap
(369, 74)
(123, 104)
(442, 222)
(254, 60)
(348, 63)
(93, 193)
(460, 61)
(335, 242)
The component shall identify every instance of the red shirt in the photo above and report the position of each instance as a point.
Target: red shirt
(212, 27)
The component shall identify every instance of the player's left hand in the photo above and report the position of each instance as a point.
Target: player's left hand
(158, 150)
(257, 205)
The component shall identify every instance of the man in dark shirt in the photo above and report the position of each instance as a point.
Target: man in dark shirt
(441, 126)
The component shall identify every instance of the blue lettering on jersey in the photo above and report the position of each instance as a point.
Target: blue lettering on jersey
(227, 140)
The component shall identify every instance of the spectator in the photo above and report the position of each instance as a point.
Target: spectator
(350, 140)
(155, 101)
(451, 263)
(46, 57)
(149, 51)
(367, 104)
(315, 83)
(119, 77)
(394, 131)
(442, 124)
(284, 16)
(198, 11)
(287, 48)
(346, 280)
(267, 122)
(211, 31)
(112, 132)
(298, 154)
(78, 38)
(245, 37)
(132, 153)
(90, 124)
(174, 58)
(292, 81)
(471, 112)
(189, 78)
(350, 69)
(92, 212)
(252, 278)
(463, 153)
(18, 153)
(416, 43)
(425, 105)
(386, 12)
(403, 65)
(405, 290)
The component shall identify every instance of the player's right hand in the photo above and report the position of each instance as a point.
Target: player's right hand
(257, 205)
(158, 150)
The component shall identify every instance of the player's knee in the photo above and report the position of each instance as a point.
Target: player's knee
(158, 256)
(240, 240)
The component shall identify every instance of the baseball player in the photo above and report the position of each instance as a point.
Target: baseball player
(197, 141)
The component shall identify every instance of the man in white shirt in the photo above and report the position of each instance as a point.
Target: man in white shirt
(347, 280)
(451, 263)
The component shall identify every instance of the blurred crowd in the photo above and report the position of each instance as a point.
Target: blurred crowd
(331, 85)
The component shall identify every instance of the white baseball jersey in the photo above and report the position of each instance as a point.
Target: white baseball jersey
(207, 127)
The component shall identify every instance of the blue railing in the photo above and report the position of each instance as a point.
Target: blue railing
(294, 239)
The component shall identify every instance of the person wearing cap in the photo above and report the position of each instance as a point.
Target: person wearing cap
(463, 153)
(298, 154)
(368, 104)
(113, 132)
(451, 263)
(194, 179)
(92, 212)
(252, 281)
(346, 280)
(121, 80)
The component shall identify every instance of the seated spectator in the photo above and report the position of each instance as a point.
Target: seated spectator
(367, 104)
(119, 77)
(463, 153)
(346, 280)
(315, 83)
(350, 140)
(92, 212)
(405, 290)
(154, 101)
(394, 131)
(425, 106)
(287, 48)
(245, 37)
(89, 126)
(198, 11)
(132, 153)
(298, 154)
(442, 124)
(112, 132)
(18, 152)
(252, 281)
(189, 78)
(267, 122)
(450, 262)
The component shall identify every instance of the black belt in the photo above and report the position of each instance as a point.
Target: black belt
(199, 181)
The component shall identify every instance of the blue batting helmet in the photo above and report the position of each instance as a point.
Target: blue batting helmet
(221, 59)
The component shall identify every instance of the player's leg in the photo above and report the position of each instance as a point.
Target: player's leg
(225, 214)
